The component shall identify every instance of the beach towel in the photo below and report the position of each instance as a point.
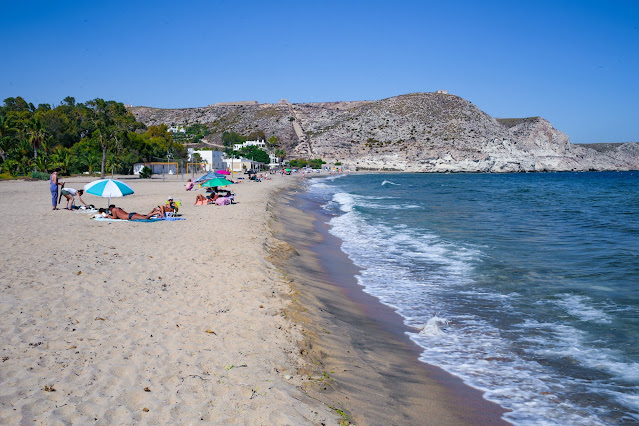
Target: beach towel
(222, 201)
(108, 219)
(158, 219)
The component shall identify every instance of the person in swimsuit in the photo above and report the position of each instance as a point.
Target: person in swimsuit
(201, 200)
(53, 186)
(169, 207)
(118, 213)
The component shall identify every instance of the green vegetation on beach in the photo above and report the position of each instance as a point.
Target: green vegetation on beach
(96, 136)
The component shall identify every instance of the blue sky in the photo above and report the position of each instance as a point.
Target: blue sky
(575, 63)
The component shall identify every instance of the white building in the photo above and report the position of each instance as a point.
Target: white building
(214, 159)
(273, 161)
(158, 168)
(259, 144)
(240, 164)
(176, 129)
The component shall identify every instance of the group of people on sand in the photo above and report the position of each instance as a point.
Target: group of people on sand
(68, 193)
(190, 185)
(160, 211)
(112, 212)
(213, 195)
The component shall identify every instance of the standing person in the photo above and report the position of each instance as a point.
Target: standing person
(70, 193)
(53, 186)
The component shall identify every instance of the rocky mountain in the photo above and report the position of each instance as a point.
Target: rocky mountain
(419, 132)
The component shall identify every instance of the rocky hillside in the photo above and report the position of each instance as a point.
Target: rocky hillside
(419, 132)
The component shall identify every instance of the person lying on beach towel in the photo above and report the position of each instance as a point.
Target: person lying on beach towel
(102, 213)
(201, 200)
(223, 201)
(118, 213)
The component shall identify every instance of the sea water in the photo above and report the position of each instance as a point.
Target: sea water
(526, 286)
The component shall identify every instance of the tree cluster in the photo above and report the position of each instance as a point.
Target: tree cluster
(312, 163)
(76, 138)
(231, 138)
(193, 134)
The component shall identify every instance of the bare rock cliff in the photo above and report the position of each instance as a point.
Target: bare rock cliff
(419, 132)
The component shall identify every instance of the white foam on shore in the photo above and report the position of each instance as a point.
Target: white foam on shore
(433, 327)
(408, 271)
(581, 307)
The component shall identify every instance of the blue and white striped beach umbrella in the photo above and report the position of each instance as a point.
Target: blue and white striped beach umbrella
(108, 188)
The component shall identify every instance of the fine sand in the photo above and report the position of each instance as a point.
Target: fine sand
(240, 314)
(154, 323)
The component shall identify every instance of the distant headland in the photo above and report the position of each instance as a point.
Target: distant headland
(417, 132)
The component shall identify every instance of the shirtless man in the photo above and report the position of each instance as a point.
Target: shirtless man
(118, 213)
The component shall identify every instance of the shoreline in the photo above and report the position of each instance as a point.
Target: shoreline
(148, 323)
(217, 318)
(365, 366)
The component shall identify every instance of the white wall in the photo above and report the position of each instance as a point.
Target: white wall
(213, 158)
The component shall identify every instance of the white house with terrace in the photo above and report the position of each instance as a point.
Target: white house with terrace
(260, 144)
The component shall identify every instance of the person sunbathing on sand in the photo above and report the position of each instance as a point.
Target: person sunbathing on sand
(201, 200)
(118, 213)
(169, 207)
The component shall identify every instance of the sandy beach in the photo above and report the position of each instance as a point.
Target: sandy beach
(153, 323)
(226, 317)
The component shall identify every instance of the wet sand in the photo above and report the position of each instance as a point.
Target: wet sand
(363, 363)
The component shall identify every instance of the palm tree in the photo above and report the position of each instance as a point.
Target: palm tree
(5, 131)
(10, 166)
(90, 160)
(41, 163)
(26, 164)
(22, 154)
(46, 146)
(61, 158)
(114, 163)
(36, 134)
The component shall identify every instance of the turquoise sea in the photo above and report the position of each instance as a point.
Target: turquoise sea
(526, 286)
